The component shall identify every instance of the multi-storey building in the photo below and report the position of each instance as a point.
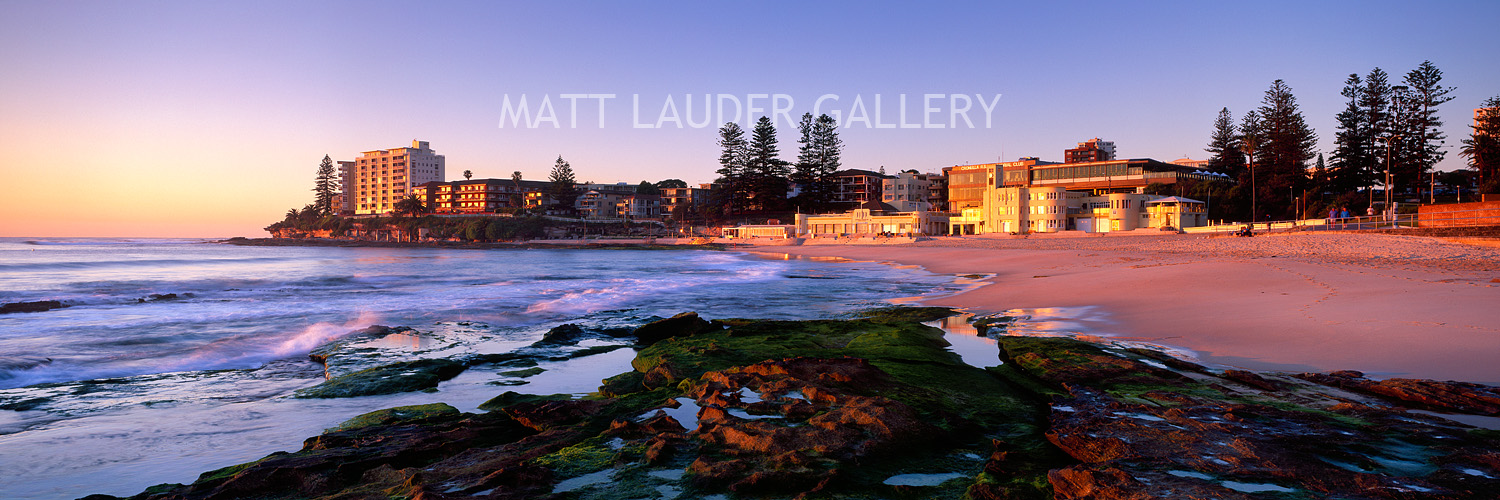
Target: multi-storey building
(978, 195)
(343, 202)
(1100, 177)
(678, 202)
(382, 177)
(907, 191)
(639, 206)
(602, 201)
(476, 196)
(1090, 150)
(967, 183)
(937, 192)
(856, 186)
(1054, 209)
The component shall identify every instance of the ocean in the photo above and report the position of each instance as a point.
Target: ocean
(176, 357)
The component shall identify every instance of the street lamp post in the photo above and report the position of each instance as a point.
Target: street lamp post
(1249, 148)
(1390, 138)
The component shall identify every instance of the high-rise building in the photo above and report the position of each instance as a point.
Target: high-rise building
(343, 202)
(1090, 150)
(384, 176)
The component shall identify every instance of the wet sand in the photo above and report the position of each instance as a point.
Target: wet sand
(1387, 305)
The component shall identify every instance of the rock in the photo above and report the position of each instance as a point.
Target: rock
(624, 383)
(905, 313)
(681, 325)
(545, 415)
(321, 353)
(511, 397)
(1064, 361)
(1459, 397)
(397, 415)
(828, 409)
(1080, 482)
(1252, 380)
(28, 307)
(523, 373)
(563, 334)
(405, 376)
(407, 458)
(163, 297)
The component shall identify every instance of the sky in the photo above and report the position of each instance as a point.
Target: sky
(208, 119)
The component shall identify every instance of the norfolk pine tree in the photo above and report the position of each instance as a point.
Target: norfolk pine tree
(829, 148)
(563, 192)
(325, 185)
(1228, 158)
(1354, 159)
(1286, 145)
(1482, 147)
(1425, 128)
(732, 161)
(1375, 101)
(765, 170)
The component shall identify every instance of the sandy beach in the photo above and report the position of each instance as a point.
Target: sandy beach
(1387, 305)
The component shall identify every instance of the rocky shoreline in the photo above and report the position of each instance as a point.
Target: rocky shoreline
(876, 407)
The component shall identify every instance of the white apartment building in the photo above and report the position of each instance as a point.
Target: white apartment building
(907, 191)
(380, 178)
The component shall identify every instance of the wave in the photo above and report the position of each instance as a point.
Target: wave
(109, 241)
(249, 350)
(105, 264)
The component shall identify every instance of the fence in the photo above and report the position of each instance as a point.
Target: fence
(1339, 224)
(1485, 213)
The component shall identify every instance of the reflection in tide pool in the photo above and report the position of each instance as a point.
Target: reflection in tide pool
(1085, 323)
(964, 340)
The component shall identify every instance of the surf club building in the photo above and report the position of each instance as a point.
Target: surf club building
(1034, 196)
(872, 219)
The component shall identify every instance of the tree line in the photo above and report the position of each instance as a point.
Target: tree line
(1386, 135)
(754, 179)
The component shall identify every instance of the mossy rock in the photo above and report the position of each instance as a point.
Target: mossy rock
(598, 349)
(681, 325)
(986, 323)
(905, 313)
(405, 376)
(524, 373)
(397, 415)
(624, 383)
(1061, 361)
(511, 397)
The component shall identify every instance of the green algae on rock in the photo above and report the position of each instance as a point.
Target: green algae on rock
(834, 409)
(397, 415)
(387, 379)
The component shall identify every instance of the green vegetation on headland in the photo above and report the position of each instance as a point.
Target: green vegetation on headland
(877, 407)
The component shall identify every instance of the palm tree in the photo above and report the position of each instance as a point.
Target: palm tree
(410, 205)
(468, 175)
(519, 197)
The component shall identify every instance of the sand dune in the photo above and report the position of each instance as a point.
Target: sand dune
(1391, 306)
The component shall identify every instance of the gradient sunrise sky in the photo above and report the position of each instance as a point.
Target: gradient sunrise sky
(208, 119)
